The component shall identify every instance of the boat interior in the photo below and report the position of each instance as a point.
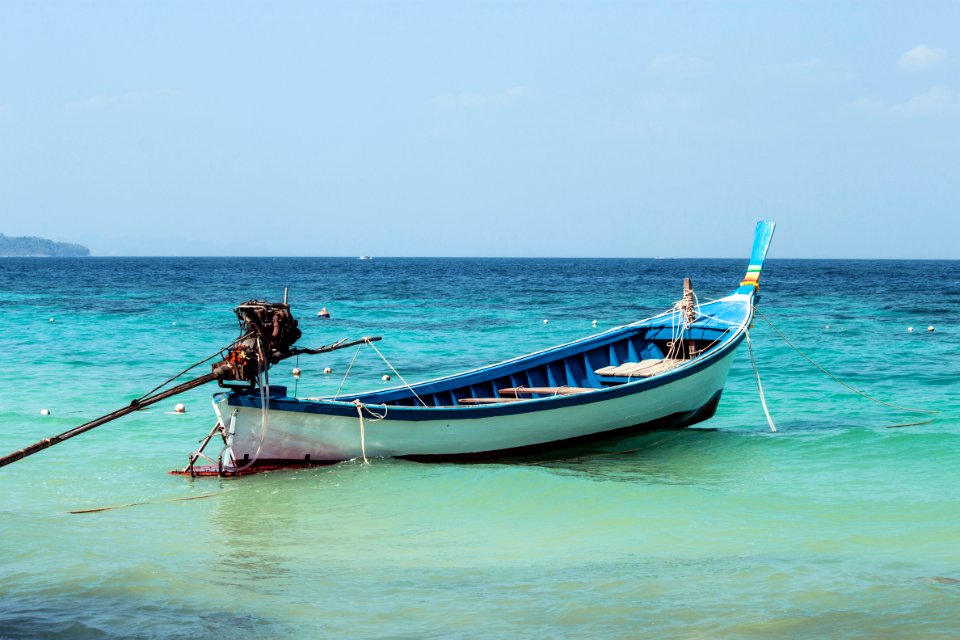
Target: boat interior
(621, 356)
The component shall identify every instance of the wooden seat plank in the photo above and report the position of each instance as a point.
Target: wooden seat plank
(544, 391)
(642, 369)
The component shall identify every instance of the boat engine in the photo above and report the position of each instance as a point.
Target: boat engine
(268, 332)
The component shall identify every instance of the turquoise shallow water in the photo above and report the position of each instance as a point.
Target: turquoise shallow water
(835, 526)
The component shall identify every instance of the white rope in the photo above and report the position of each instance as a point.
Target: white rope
(679, 312)
(263, 382)
(838, 380)
(398, 373)
(337, 395)
(756, 371)
(363, 438)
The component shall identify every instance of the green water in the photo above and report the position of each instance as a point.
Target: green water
(835, 526)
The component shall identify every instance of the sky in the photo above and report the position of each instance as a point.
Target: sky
(574, 129)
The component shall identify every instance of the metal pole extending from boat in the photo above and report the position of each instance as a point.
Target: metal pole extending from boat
(136, 405)
(220, 372)
(268, 333)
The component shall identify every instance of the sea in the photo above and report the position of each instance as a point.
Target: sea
(842, 523)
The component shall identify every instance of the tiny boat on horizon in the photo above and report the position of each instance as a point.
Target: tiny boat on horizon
(667, 371)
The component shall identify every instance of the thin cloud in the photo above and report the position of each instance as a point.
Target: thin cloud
(937, 102)
(119, 101)
(665, 102)
(811, 69)
(469, 99)
(922, 57)
(678, 64)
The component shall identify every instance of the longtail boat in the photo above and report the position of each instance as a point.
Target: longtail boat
(667, 371)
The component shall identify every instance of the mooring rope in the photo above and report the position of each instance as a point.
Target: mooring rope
(392, 368)
(363, 437)
(194, 365)
(756, 372)
(835, 378)
(337, 394)
(137, 504)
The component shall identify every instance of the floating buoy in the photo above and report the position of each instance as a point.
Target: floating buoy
(930, 328)
(328, 370)
(909, 329)
(594, 323)
(180, 408)
(53, 320)
(44, 412)
(174, 323)
(323, 313)
(827, 328)
(385, 378)
(545, 321)
(296, 372)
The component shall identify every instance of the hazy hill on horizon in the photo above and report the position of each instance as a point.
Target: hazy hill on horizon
(31, 247)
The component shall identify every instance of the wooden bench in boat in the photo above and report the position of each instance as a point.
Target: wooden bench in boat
(513, 394)
(516, 392)
(463, 401)
(642, 369)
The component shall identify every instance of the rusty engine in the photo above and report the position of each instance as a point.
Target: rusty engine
(268, 332)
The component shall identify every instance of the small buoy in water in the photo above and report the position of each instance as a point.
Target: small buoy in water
(385, 378)
(827, 328)
(323, 313)
(180, 408)
(296, 372)
(909, 329)
(545, 321)
(594, 323)
(174, 323)
(53, 320)
(328, 370)
(930, 328)
(44, 412)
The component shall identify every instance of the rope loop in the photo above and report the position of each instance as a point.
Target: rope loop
(363, 438)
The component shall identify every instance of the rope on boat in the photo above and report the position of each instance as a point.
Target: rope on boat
(756, 372)
(263, 383)
(835, 378)
(392, 368)
(363, 438)
(387, 362)
(193, 366)
(686, 311)
(296, 378)
(337, 395)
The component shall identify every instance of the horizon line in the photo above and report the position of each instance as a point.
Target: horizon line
(305, 257)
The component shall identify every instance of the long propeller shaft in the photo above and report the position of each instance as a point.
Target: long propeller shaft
(136, 405)
(221, 371)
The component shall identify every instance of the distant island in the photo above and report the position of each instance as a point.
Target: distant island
(30, 247)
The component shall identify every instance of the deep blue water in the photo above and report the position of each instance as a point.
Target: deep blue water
(841, 524)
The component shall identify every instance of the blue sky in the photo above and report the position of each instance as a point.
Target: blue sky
(482, 129)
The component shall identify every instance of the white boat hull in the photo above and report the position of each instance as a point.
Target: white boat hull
(284, 437)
